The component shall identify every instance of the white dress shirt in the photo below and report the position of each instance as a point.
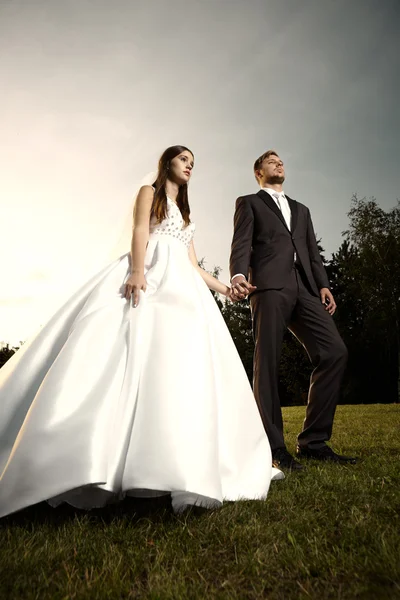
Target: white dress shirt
(283, 206)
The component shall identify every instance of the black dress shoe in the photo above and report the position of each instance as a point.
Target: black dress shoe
(282, 459)
(324, 453)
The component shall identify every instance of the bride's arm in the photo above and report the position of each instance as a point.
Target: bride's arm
(140, 237)
(141, 227)
(211, 281)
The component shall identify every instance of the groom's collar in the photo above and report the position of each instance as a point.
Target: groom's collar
(271, 191)
(270, 202)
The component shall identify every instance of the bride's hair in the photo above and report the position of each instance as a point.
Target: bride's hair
(159, 206)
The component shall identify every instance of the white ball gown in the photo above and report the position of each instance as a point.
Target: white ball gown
(109, 400)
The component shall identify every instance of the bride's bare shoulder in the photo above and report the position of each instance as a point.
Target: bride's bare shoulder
(146, 190)
(143, 203)
(145, 195)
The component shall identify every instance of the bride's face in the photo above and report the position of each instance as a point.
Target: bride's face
(180, 168)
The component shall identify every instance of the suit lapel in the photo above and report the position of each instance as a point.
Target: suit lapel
(270, 202)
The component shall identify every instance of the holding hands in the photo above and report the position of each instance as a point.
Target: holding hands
(241, 288)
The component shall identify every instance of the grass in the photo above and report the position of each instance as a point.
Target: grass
(329, 532)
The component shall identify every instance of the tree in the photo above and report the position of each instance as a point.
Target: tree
(6, 352)
(215, 273)
(365, 279)
(365, 276)
(238, 320)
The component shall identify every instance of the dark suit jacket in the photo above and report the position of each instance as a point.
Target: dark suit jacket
(263, 247)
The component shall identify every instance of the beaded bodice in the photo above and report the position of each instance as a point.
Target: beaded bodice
(173, 226)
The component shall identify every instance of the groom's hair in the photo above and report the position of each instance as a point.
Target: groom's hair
(261, 159)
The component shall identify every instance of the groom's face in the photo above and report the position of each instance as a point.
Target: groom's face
(272, 170)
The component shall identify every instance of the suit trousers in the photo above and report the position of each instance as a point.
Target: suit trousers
(297, 309)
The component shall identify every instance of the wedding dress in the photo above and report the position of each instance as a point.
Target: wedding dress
(109, 399)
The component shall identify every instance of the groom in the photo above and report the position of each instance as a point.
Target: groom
(275, 259)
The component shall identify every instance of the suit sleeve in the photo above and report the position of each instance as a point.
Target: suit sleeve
(243, 224)
(317, 267)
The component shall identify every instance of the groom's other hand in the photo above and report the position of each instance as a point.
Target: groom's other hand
(328, 300)
(241, 288)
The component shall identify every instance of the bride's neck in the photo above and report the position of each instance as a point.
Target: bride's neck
(172, 189)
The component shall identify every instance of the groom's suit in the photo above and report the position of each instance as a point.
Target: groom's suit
(285, 265)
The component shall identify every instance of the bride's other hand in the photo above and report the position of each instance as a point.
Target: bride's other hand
(133, 285)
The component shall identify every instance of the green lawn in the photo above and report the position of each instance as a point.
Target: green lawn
(330, 532)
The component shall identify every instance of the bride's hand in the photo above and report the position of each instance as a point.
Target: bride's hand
(133, 285)
(230, 295)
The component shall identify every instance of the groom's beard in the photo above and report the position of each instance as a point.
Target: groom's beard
(276, 179)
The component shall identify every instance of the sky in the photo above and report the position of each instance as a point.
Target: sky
(92, 92)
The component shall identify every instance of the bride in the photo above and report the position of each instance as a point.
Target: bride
(135, 386)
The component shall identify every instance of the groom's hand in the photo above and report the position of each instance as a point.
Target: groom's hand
(241, 288)
(328, 300)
